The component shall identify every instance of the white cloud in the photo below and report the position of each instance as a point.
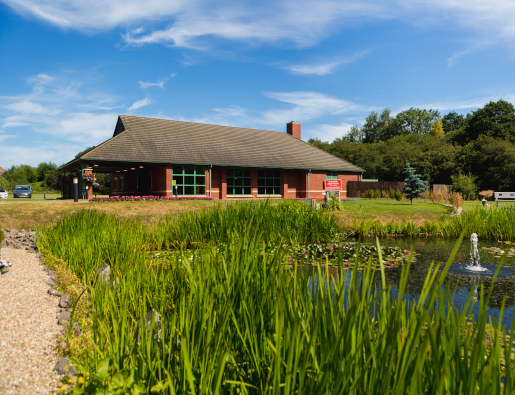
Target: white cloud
(323, 68)
(303, 106)
(138, 104)
(466, 104)
(301, 22)
(160, 83)
(330, 132)
(57, 118)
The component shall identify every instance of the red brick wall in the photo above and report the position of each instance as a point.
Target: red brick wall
(317, 178)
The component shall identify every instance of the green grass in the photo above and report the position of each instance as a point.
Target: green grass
(35, 196)
(239, 321)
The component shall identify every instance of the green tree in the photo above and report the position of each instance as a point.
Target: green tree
(43, 168)
(465, 184)
(493, 120)
(377, 127)
(437, 129)
(415, 122)
(355, 135)
(453, 121)
(414, 187)
(85, 151)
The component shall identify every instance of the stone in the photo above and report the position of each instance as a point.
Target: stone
(149, 317)
(103, 273)
(63, 318)
(54, 292)
(64, 367)
(50, 283)
(5, 270)
(65, 301)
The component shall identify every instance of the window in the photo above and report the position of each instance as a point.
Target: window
(269, 182)
(121, 183)
(116, 184)
(239, 182)
(331, 175)
(190, 180)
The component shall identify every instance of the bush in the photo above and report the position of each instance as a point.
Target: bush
(465, 184)
(1, 235)
(377, 194)
(457, 200)
(369, 194)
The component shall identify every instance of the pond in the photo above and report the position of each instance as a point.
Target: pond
(439, 250)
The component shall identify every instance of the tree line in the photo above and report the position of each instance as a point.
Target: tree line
(46, 174)
(471, 152)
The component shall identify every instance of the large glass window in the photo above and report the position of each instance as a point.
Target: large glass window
(331, 175)
(116, 184)
(269, 182)
(190, 180)
(239, 182)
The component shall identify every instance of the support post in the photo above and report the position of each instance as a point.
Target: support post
(76, 189)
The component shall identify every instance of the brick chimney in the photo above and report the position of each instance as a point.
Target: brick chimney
(293, 128)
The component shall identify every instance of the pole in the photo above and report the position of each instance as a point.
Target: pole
(76, 189)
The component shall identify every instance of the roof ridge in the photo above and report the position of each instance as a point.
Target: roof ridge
(101, 144)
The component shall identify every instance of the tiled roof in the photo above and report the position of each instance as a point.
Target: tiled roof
(178, 142)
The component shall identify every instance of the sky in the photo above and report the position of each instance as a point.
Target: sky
(69, 67)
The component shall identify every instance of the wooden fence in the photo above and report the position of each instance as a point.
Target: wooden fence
(358, 188)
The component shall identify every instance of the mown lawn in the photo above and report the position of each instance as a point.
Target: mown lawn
(34, 215)
(388, 210)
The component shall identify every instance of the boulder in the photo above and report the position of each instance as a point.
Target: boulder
(103, 273)
(50, 283)
(64, 367)
(63, 318)
(65, 301)
(54, 292)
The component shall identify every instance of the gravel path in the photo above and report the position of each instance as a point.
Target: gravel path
(28, 328)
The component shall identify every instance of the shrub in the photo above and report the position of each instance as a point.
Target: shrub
(1, 235)
(385, 194)
(465, 184)
(369, 194)
(487, 194)
(457, 200)
(377, 194)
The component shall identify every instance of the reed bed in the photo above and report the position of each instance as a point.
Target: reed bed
(488, 223)
(240, 321)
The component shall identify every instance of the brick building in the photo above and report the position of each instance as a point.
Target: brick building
(149, 156)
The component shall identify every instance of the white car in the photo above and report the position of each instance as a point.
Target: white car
(3, 194)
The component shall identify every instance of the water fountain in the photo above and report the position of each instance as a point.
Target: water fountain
(475, 266)
(475, 269)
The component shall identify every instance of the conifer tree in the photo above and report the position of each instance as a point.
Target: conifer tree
(414, 187)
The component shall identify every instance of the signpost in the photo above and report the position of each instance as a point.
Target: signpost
(333, 185)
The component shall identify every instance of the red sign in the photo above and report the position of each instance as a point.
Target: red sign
(333, 185)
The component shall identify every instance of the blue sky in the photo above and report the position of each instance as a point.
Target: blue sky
(69, 67)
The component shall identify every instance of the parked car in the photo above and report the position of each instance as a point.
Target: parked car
(4, 194)
(22, 191)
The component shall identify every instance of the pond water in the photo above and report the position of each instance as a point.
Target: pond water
(439, 250)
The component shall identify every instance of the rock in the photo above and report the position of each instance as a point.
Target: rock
(54, 292)
(63, 318)
(103, 273)
(149, 317)
(50, 283)
(64, 367)
(5, 270)
(52, 276)
(76, 328)
(65, 301)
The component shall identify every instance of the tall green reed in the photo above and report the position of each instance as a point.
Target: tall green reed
(240, 321)
(492, 223)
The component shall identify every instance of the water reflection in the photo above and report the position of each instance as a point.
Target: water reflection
(464, 282)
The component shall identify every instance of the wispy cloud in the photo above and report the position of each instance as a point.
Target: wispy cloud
(466, 104)
(57, 115)
(323, 68)
(138, 104)
(192, 23)
(302, 106)
(160, 83)
(330, 132)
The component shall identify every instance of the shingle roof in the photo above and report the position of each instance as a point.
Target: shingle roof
(168, 141)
